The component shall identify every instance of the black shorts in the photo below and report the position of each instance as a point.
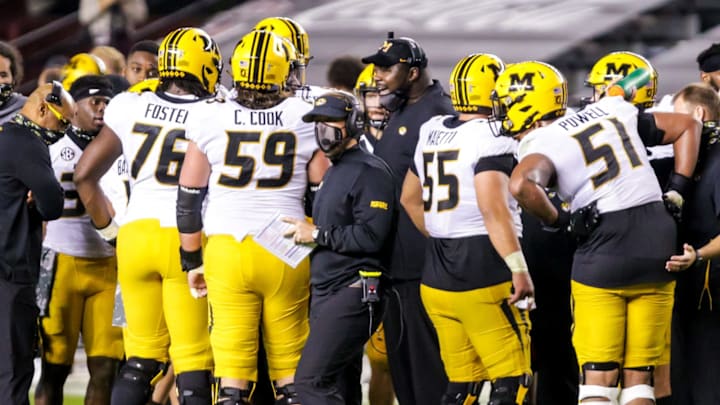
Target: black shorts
(463, 264)
(629, 247)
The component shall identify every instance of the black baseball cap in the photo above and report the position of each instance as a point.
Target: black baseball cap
(398, 50)
(332, 106)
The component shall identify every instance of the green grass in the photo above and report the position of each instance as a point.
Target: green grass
(69, 400)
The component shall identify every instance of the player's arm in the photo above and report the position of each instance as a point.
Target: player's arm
(683, 131)
(527, 184)
(492, 195)
(192, 189)
(412, 200)
(95, 161)
(316, 168)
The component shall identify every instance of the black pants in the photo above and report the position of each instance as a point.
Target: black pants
(18, 328)
(413, 350)
(695, 358)
(339, 328)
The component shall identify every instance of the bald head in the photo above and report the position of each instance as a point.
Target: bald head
(50, 106)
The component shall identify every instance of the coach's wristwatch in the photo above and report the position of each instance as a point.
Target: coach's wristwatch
(698, 258)
(315, 233)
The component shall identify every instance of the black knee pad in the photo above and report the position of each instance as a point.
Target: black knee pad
(234, 396)
(134, 383)
(194, 387)
(609, 366)
(461, 393)
(510, 390)
(288, 395)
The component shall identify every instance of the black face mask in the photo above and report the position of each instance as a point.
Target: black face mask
(49, 136)
(330, 140)
(6, 90)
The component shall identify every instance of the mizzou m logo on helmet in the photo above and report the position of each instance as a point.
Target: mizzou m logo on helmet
(525, 82)
(614, 71)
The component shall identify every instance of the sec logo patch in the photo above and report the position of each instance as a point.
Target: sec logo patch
(67, 154)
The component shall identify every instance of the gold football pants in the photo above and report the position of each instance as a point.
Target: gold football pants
(82, 300)
(626, 325)
(481, 336)
(248, 287)
(162, 316)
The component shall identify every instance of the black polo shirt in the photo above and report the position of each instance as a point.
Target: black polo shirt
(397, 148)
(24, 166)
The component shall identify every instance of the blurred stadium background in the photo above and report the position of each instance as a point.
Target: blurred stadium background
(571, 34)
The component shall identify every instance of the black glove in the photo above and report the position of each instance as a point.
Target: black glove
(584, 221)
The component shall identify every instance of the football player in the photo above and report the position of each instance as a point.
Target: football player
(381, 391)
(142, 62)
(253, 157)
(456, 191)
(149, 129)
(374, 115)
(595, 158)
(607, 70)
(85, 274)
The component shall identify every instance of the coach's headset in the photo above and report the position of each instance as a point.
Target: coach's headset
(417, 54)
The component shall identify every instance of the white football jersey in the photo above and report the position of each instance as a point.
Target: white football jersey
(258, 163)
(598, 156)
(151, 128)
(445, 158)
(73, 234)
(309, 93)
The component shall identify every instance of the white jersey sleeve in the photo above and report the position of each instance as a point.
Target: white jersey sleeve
(151, 128)
(258, 162)
(598, 156)
(446, 159)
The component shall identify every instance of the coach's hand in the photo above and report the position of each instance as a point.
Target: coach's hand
(684, 261)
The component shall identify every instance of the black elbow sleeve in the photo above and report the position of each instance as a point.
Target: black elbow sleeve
(310, 192)
(189, 208)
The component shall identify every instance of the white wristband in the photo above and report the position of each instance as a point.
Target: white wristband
(109, 232)
(516, 262)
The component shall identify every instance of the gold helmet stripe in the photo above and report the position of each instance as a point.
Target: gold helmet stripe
(297, 39)
(465, 96)
(166, 54)
(176, 43)
(459, 85)
(259, 47)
